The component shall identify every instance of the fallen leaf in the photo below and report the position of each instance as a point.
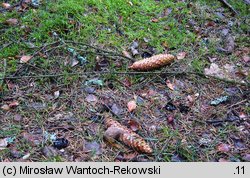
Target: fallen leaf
(154, 20)
(6, 5)
(190, 99)
(242, 115)
(210, 24)
(74, 62)
(246, 157)
(126, 54)
(181, 55)
(25, 59)
(32, 139)
(170, 85)
(131, 105)
(3, 143)
(246, 58)
(127, 82)
(12, 21)
(170, 119)
(89, 90)
(5, 107)
(134, 51)
(133, 125)
(56, 94)
(223, 148)
(116, 110)
(13, 104)
(214, 70)
(91, 99)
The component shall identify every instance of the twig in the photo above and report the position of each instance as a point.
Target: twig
(40, 49)
(82, 74)
(229, 6)
(243, 101)
(99, 49)
(4, 73)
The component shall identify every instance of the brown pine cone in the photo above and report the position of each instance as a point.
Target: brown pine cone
(116, 131)
(153, 62)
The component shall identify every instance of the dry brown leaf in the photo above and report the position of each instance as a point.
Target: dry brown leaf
(12, 21)
(223, 148)
(6, 5)
(153, 62)
(5, 107)
(170, 85)
(91, 99)
(131, 105)
(154, 20)
(133, 125)
(14, 104)
(126, 54)
(25, 59)
(246, 58)
(3, 143)
(181, 55)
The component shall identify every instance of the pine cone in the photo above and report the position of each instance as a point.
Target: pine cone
(153, 62)
(116, 131)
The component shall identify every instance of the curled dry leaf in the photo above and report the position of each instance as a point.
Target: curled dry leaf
(56, 94)
(25, 59)
(131, 105)
(91, 99)
(170, 85)
(223, 148)
(126, 54)
(154, 20)
(6, 5)
(134, 126)
(116, 131)
(3, 143)
(153, 62)
(181, 55)
(12, 21)
(5, 107)
(246, 58)
(13, 104)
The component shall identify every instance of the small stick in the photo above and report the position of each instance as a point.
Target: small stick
(229, 6)
(4, 73)
(99, 49)
(131, 73)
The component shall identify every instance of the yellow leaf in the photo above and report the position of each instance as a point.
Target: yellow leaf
(131, 105)
(25, 59)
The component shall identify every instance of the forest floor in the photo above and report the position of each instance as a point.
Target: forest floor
(64, 67)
